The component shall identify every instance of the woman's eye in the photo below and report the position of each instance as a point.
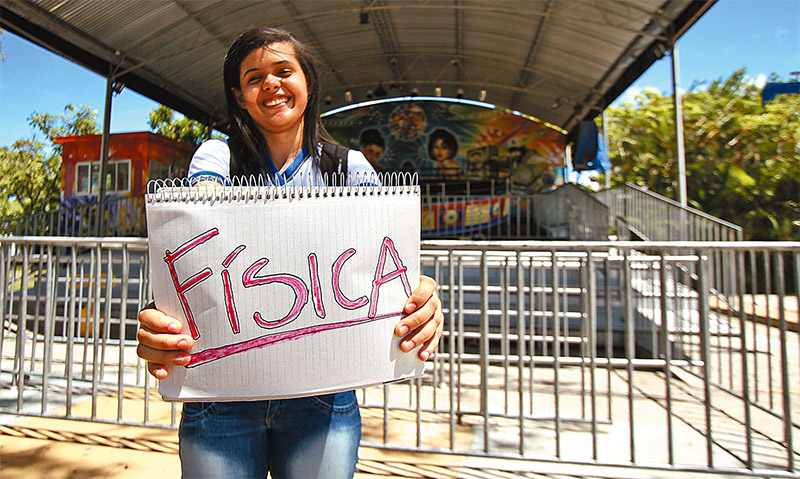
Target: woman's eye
(253, 80)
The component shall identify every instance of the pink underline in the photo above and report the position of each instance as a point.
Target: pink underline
(270, 339)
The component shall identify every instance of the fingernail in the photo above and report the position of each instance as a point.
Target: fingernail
(161, 373)
(407, 346)
(411, 307)
(424, 355)
(183, 344)
(403, 330)
(183, 360)
(174, 327)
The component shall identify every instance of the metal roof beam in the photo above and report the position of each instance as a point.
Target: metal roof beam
(322, 52)
(382, 22)
(459, 37)
(525, 72)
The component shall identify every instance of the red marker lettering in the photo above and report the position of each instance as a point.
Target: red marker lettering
(182, 288)
(316, 292)
(387, 247)
(337, 293)
(249, 280)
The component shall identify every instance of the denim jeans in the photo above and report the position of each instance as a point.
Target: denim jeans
(301, 438)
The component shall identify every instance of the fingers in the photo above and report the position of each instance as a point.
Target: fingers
(155, 320)
(427, 335)
(159, 371)
(163, 341)
(160, 342)
(157, 360)
(429, 346)
(425, 323)
(415, 305)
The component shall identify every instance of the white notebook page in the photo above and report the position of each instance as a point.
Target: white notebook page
(288, 291)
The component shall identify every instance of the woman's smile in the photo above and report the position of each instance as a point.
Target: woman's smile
(276, 101)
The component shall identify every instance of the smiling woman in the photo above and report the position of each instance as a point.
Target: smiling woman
(272, 95)
(275, 94)
(269, 78)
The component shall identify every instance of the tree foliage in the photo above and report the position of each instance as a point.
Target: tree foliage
(30, 170)
(2, 54)
(742, 158)
(181, 129)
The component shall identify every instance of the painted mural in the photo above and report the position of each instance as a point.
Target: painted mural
(463, 217)
(448, 139)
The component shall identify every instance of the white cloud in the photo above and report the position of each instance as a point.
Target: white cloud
(760, 80)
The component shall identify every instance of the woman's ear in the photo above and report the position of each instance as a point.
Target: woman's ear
(239, 99)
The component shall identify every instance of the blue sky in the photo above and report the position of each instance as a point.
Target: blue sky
(760, 35)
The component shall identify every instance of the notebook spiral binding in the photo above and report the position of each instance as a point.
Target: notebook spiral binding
(259, 188)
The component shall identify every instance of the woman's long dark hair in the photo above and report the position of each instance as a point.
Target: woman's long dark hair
(247, 144)
(447, 138)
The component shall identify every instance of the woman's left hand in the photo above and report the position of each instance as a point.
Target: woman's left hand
(425, 321)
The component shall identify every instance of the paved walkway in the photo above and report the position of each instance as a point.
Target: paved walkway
(766, 309)
(62, 449)
(33, 447)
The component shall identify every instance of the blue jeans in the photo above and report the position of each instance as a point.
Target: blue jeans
(305, 437)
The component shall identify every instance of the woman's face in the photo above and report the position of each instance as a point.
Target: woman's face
(440, 150)
(273, 89)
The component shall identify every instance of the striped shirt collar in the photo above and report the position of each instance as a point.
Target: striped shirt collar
(291, 170)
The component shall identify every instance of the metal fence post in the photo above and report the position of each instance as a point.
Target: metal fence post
(666, 353)
(630, 350)
(451, 342)
(554, 272)
(484, 348)
(591, 293)
(705, 348)
(745, 363)
(785, 384)
(521, 348)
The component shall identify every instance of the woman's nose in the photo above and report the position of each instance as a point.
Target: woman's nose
(270, 83)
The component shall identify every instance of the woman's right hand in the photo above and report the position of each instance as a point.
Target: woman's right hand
(161, 342)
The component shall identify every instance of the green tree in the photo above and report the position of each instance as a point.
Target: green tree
(2, 55)
(30, 171)
(742, 158)
(181, 129)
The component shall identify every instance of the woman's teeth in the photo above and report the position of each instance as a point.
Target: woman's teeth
(276, 101)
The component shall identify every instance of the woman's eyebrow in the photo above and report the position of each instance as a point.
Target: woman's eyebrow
(279, 62)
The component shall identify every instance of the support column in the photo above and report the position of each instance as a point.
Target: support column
(98, 232)
(680, 154)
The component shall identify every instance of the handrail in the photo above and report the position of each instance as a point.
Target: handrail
(688, 209)
(656, 218)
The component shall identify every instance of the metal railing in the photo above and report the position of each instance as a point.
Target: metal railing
(122, 217)
(568, 212)
(565, 213)
(656, 218)
(645, 354)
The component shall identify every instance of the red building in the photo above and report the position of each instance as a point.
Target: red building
(133, 160)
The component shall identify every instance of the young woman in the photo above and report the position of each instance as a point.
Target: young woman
(272, 92)
(442, 149)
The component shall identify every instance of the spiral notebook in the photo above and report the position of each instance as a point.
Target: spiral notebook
(288, 291)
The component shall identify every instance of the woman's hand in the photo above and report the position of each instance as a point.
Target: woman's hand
(425, 321)
(161, 342)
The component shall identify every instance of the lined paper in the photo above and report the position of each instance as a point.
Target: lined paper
(288, 294)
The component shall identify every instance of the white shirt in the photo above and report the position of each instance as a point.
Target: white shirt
(212, 162)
